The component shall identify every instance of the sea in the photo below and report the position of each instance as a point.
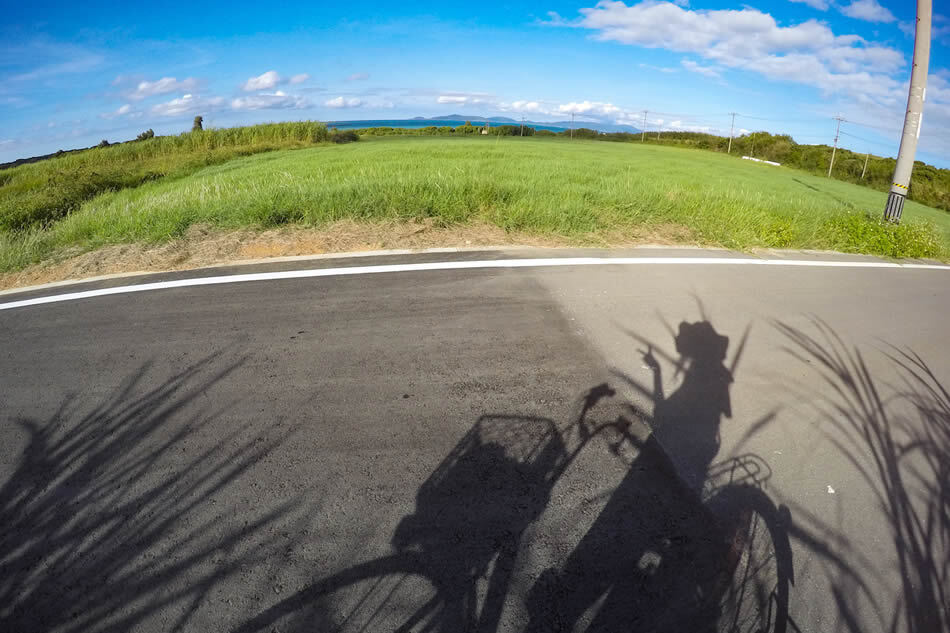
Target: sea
(417, 123)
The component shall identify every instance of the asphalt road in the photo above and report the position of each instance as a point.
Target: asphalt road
(413, 448)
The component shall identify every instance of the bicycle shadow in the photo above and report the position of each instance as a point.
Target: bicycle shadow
(654, 556)
(457, 549)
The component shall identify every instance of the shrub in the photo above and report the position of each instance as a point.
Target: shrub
(583, 132)
(103, 143)
(866, 232)
(144, 136)
(344, 136)
(197, 126)
(511, 130)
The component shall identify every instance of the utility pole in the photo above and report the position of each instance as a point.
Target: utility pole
(915, 110)
(865, 170)
(643, 130)
(522, 125)
(835, 148)
(572, 126)
(732, 130)
(752, 153)
(659, 128)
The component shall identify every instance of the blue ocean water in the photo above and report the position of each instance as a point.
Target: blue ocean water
(416, 123)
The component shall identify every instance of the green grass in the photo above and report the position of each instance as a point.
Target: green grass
(38, 194)
(576, 189)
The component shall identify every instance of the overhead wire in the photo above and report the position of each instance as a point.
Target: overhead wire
(867, 140)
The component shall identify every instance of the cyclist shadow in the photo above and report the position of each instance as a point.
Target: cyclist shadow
(653, 546)
(655, 554)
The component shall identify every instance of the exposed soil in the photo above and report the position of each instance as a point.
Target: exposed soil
(204, 246)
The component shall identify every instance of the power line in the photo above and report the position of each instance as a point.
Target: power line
(874, 127)
(867, 140)
(759, 118)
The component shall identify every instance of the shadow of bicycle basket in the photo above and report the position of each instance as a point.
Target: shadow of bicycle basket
(662, 554)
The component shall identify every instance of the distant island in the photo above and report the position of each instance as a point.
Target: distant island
(454, 120)
(463, 117)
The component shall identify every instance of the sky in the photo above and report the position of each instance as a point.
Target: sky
(74, 73)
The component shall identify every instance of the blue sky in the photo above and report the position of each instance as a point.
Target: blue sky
(74, 73)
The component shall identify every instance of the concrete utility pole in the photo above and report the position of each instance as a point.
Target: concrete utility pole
(522, 126)
(915, 110)
(732, 130)
(835, 148)
(572, 126)
(643, 130)
(752, 153)
(865, 170)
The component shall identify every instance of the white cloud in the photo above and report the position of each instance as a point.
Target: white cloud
(188, 104)
(679, 126)
(662, 69)
(299, 79)
(358, 77)
(821, 5)
(589, 107)
(162, 86)
(51, 59)
(341, 102)
(267, 81)
(555, 19)
(526, 106)
(270, 101)
(121, 111)
(466, 98)
(869, 10)
(940, 30)
(809, 53)
(13, 100)
(707, 71)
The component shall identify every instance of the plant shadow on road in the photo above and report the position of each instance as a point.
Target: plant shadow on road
(897, 436)
(110, 524)
(680, 544)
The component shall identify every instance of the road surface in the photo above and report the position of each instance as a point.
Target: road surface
(256, 455)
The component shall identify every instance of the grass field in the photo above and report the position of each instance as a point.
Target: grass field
(582, 191)
(37, 194)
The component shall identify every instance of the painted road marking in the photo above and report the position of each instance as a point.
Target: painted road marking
(461, 265)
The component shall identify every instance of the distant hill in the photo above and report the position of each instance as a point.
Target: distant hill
(591, 125)
(600, 127)
(463, 117)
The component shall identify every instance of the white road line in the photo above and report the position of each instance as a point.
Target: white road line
(460, 265)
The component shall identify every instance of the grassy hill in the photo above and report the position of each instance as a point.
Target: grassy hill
(581, 191)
